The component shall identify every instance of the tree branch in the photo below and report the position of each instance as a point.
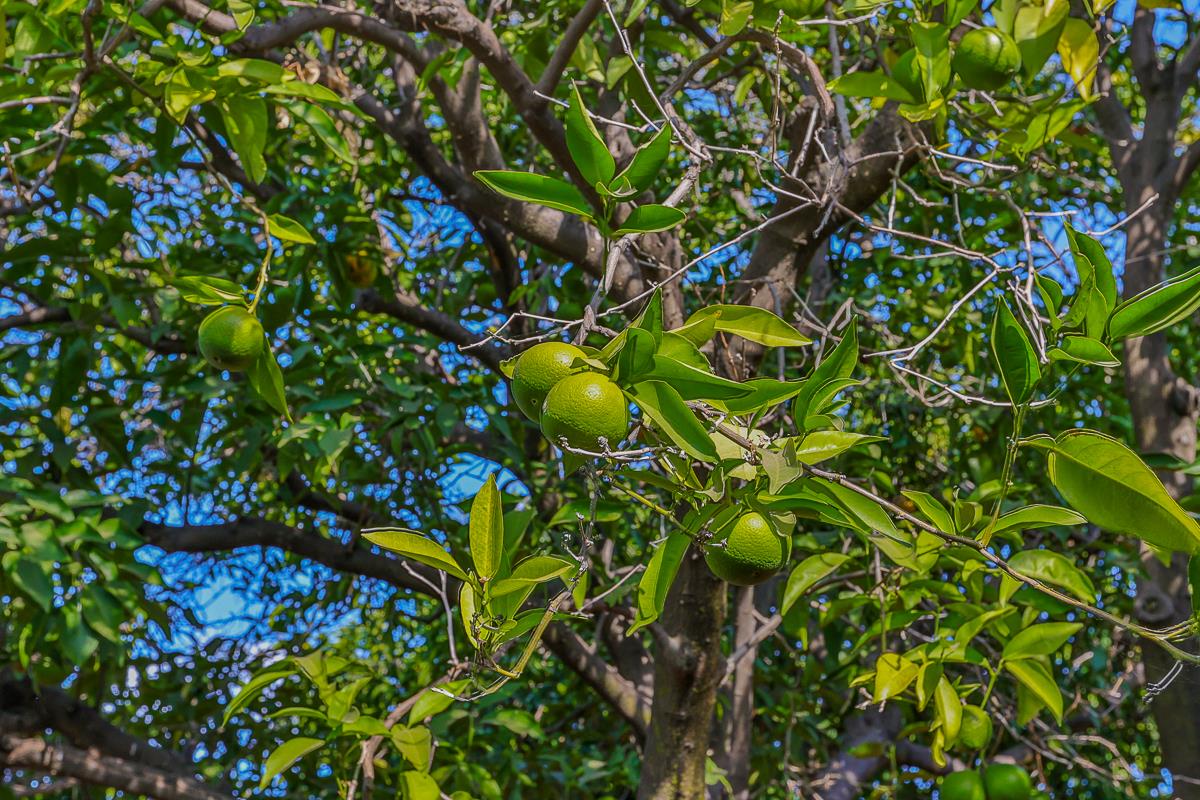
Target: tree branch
(561, 57)
(42, 316)
(89, 766)
(406, 307)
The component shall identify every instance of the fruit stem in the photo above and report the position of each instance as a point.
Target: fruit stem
(262, 269)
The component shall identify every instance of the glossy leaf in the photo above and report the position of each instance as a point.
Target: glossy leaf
(657, 579)
(807, 574)
(694, 384)
(646, 164)
(671, 415)
(288, 230)
(533, 188)
(1036, 30)
(530, 572)
(1036, 677)
(1051, 568)
(252, 689)
(246, 123)
(1106, 482)
(949, 709)
(893, 674)
(874, 83)
(1040, 640)
(486, 530)
(411, 544)
(749, 322)
(1084, 350)
(1080, 53)
(586, 145)
(287, 754)
(1014, 355)
(651, 218)
(1157, 308)
(267, 380)
(818, 446)
(1037, 516)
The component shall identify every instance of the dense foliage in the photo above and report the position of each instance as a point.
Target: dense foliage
(872, 296)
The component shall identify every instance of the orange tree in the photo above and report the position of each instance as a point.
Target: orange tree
(832, 338)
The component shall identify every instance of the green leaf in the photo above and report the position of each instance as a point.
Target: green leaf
(487, 530)
(534, 188)
(1014, 355)
(1092, 264)
(1157, 308)
(807, 574)
(692, 383)
(1036, 30)
(208, 291)
(657, 579)
(1036, 516)
(818, 446)
(837, 365)
(764, 392)
(415, 744)
(267, 379)
(663, 405)
(1040, 640)
(288, 230)
(1084, 350)
(570, 513)
(324, 127)
(417, 547)
(531, 571)
(734, 16)
(416, 785)
(1106, 482)
(252, 688)
(1080, 53)
(435, 700)
(1052, 568)
(31, 579)
(1035, 676)
(893, 674)
(646, 164)
(287, 754)
(932, 510)
(246, 122)
(586, 145)
(756, 324)
(651, 218)
(949, 709)
(257, 69)
(871, 84)
(932, 43)
(243, 13)
(635, 359)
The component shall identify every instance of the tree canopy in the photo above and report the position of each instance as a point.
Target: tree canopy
(886, 310)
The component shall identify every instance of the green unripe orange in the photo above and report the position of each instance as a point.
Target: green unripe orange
(752, 551)
(231, 338)
(537, 370)
(1007, 782)
(976, 730)
(986, 58)
(965, 785)
(583, 409)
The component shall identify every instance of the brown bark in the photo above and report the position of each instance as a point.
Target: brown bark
(689, 667)
(1164, 413)
(737, 731)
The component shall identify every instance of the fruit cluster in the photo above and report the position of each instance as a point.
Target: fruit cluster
(998, 782)
(553, 386)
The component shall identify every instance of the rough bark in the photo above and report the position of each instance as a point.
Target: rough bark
(689, 667)
(737, 733)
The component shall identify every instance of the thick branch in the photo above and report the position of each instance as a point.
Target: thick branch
(39, 317)
(89, 766)
(406, 307)
(602, 677)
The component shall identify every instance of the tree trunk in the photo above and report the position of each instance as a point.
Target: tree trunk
(689, 667)
(737, 728)
(1164, 415)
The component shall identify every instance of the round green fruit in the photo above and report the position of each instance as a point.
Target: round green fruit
(584, 409)
(965, 785)
(752, 552)
(976, 729)
(986, 58)
(1007, 782)
(537, 371)
(231, 338)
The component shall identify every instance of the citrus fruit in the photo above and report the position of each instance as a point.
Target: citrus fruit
(986, 58)
(1007, 782)
(976, 730)
(538, 369)
(583, 409)
(965, 785)
(361, 269)
(231, 338)
(753, 551)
